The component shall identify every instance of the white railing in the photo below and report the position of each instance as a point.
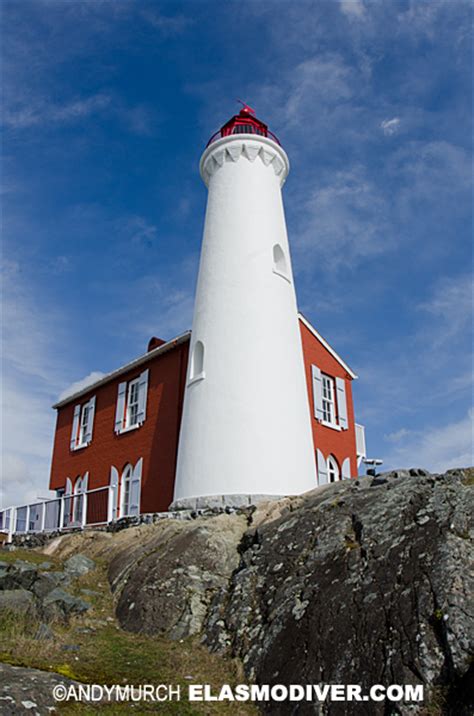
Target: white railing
(85, 509)
(360, 443)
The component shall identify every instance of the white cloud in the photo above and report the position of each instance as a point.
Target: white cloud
(32, 375)
(435, 448)
(81, 384)
(451, 306)
(30, 111)
(317, 83)
(390, 126)
(352, 8)
(345, 221)
(397, 436)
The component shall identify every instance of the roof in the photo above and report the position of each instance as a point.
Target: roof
(315, 333)
(175, 342)
(125, 368)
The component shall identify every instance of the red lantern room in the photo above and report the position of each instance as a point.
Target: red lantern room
(244, 123)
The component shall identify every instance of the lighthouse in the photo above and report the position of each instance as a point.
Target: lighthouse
(245, 427)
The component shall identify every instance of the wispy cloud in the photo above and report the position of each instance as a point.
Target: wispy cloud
(435, 448)
(168, 25)
(33, 111)
(32, 374)
(390, 126)
(451, 308)
(345, 221)
(352, 8)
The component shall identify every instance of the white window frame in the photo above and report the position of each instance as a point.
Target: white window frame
(86, 410)
(129, 424)
(78, 500)
(125, 420)
(329, 401)
(334, 472)
(83, 425)
(125, 480)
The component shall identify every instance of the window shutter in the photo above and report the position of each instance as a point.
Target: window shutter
(346, 469)
(317, 392)
(90, 420)
(342, 402)
(120, 410)
(142, 396)
(135, 488)
(322, 468)
(113, 495)
(75, 426)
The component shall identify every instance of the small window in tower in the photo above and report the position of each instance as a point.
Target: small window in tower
(197, 363)
(280, 263)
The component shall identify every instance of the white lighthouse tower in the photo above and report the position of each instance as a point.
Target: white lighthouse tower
(246, 427)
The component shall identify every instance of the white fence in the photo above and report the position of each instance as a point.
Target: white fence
(85, 509)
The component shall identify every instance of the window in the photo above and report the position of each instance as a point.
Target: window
(333, 469)
(84, 420)
(280, 263)
(329, 405)
(131, 403)
(330, 400)
(82, 424)
(197, 363)
(125, 485)
(78, 500)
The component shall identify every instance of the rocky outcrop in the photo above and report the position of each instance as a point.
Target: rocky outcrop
(361, 582)
(28, 691)
(368, 581)
(34, 591)
(166, 583)
(364, 582)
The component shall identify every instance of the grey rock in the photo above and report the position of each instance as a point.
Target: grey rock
(78, 564)
(23, 573)
(45, 565)
(59, 604)
(45, 583)
(28, 691)
(17, 601)
(166, 583)
(355, 585)
(378, 481)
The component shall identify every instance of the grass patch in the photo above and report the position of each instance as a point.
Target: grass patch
(468, 478)
(27, 555)
(92, 648)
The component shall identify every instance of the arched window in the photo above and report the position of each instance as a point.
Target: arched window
(197, 362)
(334, 473)
(125, 483)
(280, 263)
(78, 499)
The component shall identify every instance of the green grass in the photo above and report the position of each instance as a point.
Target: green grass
(27, 555)
(105, 654)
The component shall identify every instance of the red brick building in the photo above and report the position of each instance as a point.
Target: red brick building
(123, 430)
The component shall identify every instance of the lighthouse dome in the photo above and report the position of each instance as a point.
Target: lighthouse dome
(245, 122)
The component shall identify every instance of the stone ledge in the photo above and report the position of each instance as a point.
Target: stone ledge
(220, 502)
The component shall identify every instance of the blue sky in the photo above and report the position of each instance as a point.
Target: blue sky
(107, 108)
